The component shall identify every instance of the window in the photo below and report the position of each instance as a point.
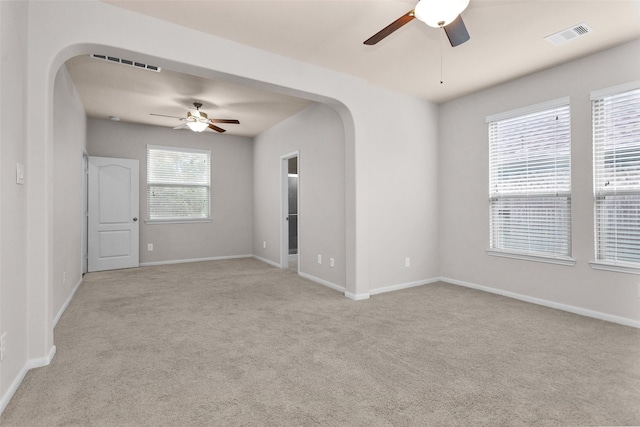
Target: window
(178, 184)
(616, 162)
(530, 183)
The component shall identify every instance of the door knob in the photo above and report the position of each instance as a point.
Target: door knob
(135, 219)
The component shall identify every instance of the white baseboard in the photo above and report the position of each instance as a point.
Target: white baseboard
(322, 281)
(559, 306)
(66, 303)
(357, 297)
(42, 361)
(180, 261)
(13, 388)
(399, 286)
(390, 288)
(267, 261)
(31, 364)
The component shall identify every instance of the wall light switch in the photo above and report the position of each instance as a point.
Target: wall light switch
(3, 346)
(150, 247)
(20, 173)
(319, 259)
(264, 244)
(407, 262)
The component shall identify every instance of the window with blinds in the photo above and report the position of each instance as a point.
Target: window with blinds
(616, 162)
(530, 181)
(178, 184)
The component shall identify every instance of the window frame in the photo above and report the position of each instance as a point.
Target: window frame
(547, 257)
(599, 192)
(178, 220)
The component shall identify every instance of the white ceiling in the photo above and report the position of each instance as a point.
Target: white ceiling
(507, 42)
(114, 90)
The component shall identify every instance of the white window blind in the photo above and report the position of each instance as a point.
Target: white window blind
(616, 154)
(530, 181)
(178, 184)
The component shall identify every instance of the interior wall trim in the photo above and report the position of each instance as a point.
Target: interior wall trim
(322, 282)
(66, 303)
(267, 261)
(357, 297)
(391, 288)
(180, 261)
(546, 303)
(31, 364)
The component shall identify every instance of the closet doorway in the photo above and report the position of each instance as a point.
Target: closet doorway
(290, 208)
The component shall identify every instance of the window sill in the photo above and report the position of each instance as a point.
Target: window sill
(537, 258)
(176, 221)
(615, 266)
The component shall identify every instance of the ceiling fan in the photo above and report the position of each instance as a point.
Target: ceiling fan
(435, 13)
(198, 121)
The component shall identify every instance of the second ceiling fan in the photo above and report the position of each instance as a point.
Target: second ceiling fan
(443, 14)
(198, 121)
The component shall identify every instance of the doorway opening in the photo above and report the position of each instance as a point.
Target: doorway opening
(290, 208)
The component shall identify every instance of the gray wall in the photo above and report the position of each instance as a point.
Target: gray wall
(230, 232)
(69, 133)
(402, 183)
(13, 203)
(464, 211)
(403, 187)
(317, 133)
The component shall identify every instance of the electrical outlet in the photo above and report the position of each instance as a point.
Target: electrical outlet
(332, 262)
(319, 259)
(3, 346)
(150, 247)
(407, 262)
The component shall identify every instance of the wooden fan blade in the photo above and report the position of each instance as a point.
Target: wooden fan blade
(457, 32)
(164, 115)
(390, 28)
(216, 128)
(232, 121)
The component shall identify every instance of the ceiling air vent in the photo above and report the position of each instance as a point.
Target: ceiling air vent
(569, 34)
(127, 62)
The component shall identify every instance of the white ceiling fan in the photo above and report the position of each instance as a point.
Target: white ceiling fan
(443, 14)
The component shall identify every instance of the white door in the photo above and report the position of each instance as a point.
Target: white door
(113, 213)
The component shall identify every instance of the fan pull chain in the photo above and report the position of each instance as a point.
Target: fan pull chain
(441, 60)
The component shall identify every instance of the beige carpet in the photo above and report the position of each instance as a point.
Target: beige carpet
(241, 343)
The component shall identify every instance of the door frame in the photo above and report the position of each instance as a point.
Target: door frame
(284, 208)
(84, 239)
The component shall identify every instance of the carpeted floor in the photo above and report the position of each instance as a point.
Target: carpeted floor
(241, 343)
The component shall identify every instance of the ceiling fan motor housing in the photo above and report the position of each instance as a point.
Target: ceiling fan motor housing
(198, 116)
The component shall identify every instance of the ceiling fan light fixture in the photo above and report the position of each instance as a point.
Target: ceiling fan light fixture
(197, 126)
(439, 13)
